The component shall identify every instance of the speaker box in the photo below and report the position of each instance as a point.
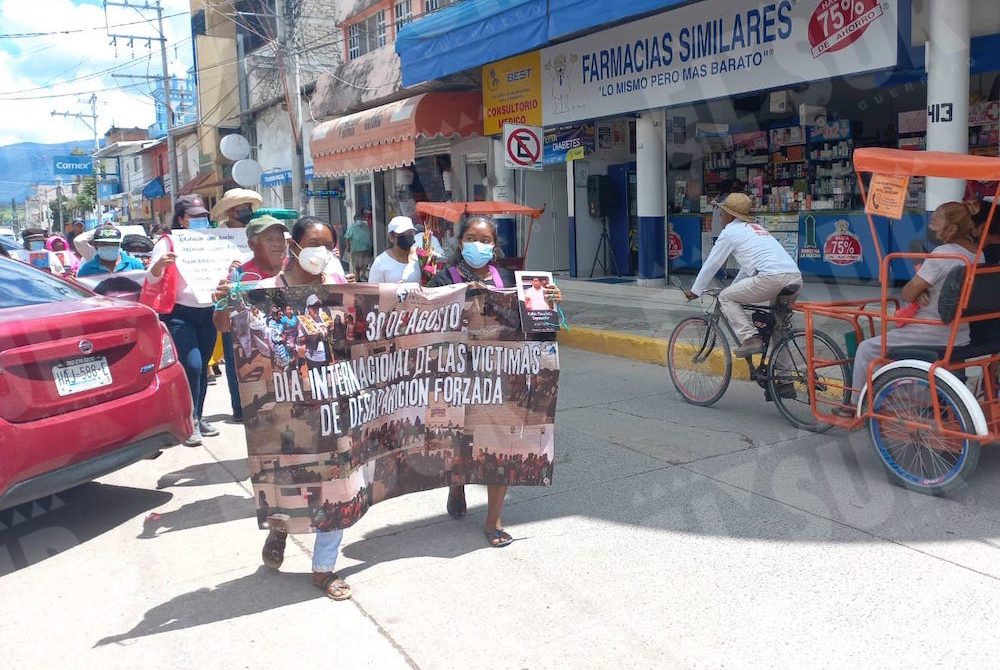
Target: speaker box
(599, 195)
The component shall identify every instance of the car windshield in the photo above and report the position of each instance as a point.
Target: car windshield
(24, 285)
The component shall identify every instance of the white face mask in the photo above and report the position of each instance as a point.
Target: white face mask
(314, 259)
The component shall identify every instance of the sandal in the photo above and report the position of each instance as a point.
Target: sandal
(498, 538)
(456, 505)
(273, 553)
(333, 586)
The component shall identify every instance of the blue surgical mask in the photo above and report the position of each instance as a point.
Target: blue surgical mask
(477, 254)
(106, 252)
(198, 224)
(36, 245)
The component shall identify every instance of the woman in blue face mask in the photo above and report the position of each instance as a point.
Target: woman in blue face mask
(190, 322)
(475, 261)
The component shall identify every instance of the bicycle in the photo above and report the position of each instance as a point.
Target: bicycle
(700, 359)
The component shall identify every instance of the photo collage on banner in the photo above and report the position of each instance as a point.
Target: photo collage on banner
(353, 394)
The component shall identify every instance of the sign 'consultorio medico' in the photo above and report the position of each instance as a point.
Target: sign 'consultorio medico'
(714, 49)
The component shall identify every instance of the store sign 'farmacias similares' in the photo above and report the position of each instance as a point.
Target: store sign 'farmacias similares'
(714, 49)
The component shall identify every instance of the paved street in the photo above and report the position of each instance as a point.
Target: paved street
(673, 537)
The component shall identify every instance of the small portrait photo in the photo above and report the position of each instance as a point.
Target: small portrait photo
(531, 291)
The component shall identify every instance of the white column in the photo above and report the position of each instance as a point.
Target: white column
(947, 63)
(503, 191)
(571, 213)
(651, 184)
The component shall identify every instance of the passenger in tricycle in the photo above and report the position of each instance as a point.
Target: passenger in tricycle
(953, 225)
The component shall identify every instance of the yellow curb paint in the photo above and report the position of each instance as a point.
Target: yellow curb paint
(639, 348)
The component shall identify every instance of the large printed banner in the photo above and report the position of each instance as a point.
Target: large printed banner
(714, 49)
(353, 394)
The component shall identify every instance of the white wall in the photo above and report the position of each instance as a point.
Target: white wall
(274, 148)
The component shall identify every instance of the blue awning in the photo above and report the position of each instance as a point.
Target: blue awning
(573, 16)
(154, 189)
(469, 34)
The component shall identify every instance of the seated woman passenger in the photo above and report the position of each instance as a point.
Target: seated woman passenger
(952, 224)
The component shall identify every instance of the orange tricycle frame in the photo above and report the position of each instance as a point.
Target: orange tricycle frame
(874, 316)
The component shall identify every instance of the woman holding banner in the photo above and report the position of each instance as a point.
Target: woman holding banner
(310, 258)
(475, 262)
(190, 321)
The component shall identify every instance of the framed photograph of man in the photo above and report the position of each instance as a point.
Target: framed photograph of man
(538, 313)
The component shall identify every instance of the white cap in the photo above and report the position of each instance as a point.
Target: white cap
(400, 224)
(312, 300)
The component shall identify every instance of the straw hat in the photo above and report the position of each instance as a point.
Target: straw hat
(739, 205)
(235, 197)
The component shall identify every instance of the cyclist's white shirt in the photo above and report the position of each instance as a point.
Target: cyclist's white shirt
(757, 252)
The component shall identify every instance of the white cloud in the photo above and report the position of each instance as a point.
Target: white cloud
(76, 64)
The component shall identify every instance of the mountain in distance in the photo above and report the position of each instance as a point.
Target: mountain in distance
(27, 163)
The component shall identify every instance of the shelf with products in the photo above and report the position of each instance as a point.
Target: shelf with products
(717, 163)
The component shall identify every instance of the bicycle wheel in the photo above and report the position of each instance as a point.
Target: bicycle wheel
(699, 361)
(921, 460)
(788, 378)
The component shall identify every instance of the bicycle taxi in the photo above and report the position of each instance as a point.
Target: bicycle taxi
(927, 409)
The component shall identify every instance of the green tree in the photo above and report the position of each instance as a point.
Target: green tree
(86, 197)
(67, 209)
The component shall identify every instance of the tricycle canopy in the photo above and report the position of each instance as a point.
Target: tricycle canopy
(454, 211)
(927, 164)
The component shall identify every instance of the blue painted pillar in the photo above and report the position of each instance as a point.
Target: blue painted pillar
(651, 184)
(571, 209)
(503, 190)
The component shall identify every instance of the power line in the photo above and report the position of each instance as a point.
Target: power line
(11, 36)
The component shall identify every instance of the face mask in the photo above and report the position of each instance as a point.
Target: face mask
(107, 253)
(404, 242)
(244, 216)
(477, 254)
(36, 245)
(314, 259)
(198, 224)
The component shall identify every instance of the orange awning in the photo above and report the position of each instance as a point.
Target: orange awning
(927, 164)
(386, 137)
(453, 211)
(202, 180)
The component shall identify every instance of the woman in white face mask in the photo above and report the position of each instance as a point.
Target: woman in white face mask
(311, 261)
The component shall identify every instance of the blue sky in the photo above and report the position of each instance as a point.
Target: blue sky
(60, 71)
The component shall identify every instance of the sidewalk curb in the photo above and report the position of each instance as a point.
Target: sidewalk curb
(637, 347)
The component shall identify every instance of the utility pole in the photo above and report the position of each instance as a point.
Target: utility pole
(157, 6)
(285, 28)
(91, 121)
(59, 204)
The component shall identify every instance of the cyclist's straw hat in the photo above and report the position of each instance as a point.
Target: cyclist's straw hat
(739, 205)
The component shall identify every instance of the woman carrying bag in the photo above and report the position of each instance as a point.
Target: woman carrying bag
(188, 318)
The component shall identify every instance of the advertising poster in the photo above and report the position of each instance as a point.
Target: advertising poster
(357, 393)
(887, 195)
(512, 92)
(714, 49)
(568, 143)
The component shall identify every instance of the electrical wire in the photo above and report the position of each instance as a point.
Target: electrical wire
(14, 36)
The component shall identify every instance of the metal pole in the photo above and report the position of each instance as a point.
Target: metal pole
(298, 162)
(171, 156)
(59, 202)
(97, 169)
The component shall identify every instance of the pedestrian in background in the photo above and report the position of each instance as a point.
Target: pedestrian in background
(110, 256)
(358, 246)
(190, 322)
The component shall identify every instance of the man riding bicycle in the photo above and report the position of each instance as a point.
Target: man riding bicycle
(765, 269)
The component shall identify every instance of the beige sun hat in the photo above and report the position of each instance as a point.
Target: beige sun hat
(739, 205)
(235, 197)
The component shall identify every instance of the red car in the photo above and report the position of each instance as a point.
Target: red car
(88, 385)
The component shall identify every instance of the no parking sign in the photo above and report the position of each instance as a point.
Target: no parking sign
(523, 147)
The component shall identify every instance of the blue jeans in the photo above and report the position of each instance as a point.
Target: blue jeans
(326, 549)
(194, 336)
(232, 379)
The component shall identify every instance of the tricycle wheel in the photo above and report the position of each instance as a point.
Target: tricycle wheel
(921, 459)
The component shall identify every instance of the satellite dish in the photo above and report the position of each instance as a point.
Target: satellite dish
(247, 172)
(235, 147)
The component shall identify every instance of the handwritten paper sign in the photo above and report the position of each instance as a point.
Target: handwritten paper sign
(238, 236)
(887, 195)
(203, 259)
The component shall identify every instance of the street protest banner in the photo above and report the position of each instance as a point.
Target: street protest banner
(127, 285)
(353, 394)
(203, 259)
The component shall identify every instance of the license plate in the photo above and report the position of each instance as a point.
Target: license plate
(81, 374)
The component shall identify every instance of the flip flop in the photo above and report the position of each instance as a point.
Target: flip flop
(498, 538)
(333, 586)
(456, 506)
